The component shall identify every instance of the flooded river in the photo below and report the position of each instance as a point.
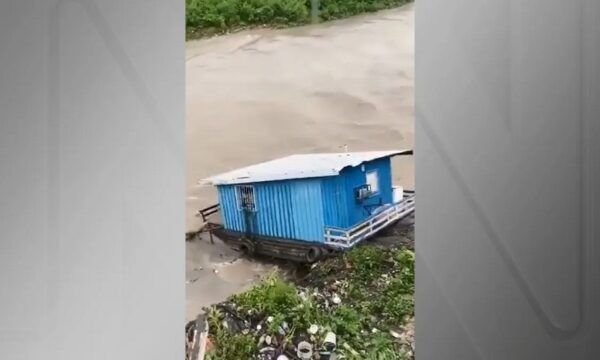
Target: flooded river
(259, 95)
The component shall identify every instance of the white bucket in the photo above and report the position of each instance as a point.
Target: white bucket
(305, 350)
(397, 194)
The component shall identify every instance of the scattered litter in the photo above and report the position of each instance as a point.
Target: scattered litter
(267, 353)
(281, 331)
(305, 350)
(336, 299)
(349, 348)
(328, 289)
(330, 341)
(191, 281)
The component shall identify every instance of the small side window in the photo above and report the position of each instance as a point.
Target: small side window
(373, 181)
(245, 197)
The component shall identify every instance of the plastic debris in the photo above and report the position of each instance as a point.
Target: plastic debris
(330, 341)
(267, 353)
(336, 299)
(305, 350)
(277, 340)
(349, 348)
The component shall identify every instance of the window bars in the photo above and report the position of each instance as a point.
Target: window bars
(246, 199)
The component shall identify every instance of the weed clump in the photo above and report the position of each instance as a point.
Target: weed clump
(364, 297)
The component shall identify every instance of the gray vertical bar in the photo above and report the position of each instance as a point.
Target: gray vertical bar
(91, 179)
(507, 173)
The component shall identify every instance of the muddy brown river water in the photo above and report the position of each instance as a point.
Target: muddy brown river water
(258, 95)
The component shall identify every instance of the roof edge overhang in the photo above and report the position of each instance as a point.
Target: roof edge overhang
(215, 181)
(391, 154)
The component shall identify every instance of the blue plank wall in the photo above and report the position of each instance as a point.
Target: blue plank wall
(301, 208)
(340, 206)
(291, 209)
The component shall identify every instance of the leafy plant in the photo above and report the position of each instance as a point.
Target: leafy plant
(366, 262)
(375, 287)
(226, 344)
(346, 322)
(206, 17)
(271, 297)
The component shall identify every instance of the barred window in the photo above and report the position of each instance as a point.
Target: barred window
(245, 194)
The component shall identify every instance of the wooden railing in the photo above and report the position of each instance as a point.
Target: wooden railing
(207, 212)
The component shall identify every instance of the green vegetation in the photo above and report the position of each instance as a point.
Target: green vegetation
(209, 17)
(365, 297)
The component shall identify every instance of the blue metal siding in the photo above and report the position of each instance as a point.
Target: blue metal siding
(273, 205)
(289, 209)
(232, 217)
(355, 177)
(301, 208)
(335, 201)
(307, 205)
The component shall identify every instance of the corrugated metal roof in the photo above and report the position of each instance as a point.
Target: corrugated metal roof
(300, 166)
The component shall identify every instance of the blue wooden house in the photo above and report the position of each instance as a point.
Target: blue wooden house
(329, 199)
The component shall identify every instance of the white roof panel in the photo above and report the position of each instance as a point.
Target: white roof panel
(300, 166)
